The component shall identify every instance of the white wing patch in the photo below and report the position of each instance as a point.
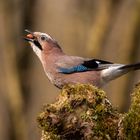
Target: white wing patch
(97, 62)
(111, 73)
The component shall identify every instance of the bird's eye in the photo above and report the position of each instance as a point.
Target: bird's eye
(43, 38)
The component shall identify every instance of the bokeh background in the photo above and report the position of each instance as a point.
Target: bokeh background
(104, 29)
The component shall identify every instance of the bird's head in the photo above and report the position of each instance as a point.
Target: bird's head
(42, 43)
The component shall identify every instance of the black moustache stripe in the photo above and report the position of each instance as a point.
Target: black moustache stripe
(37, 44)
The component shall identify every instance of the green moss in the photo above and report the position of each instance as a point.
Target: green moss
(84, 112)
(49, 136)
(81, 112)
(131, 121)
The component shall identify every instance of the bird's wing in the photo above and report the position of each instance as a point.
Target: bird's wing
(78, 64)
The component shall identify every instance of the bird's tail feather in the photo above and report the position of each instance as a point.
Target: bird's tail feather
(135, 66)
(117, 71)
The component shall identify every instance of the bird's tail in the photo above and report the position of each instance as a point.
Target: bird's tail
(130, 67)
(118, 70)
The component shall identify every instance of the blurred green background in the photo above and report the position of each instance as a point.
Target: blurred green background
(104, 29)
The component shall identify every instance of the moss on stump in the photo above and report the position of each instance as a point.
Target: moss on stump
(83, 112)
(130, 124)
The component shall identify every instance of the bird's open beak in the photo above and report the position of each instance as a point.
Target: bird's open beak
(31, 38)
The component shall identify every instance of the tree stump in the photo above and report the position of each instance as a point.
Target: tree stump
(83, 112)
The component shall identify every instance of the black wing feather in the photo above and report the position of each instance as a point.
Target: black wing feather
(94, 63)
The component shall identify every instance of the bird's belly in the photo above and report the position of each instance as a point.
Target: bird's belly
(83, 78)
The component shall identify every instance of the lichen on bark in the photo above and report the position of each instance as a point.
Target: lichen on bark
(83, 112)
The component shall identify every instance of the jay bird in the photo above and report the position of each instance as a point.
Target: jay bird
(62, 69)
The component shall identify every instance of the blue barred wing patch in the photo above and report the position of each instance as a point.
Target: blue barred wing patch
(92, 64)
(78, 68)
